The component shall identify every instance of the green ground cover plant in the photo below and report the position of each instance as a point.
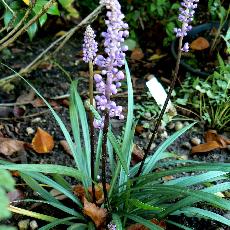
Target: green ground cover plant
(209, 97)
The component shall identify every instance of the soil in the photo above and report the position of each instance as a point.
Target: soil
(52, 82)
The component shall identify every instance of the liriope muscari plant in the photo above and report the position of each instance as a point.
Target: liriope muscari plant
(135, 193)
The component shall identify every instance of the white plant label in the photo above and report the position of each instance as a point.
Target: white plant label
(158, 92)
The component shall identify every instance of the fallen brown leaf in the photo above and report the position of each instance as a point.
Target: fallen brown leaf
(10, 146)
(98, 215)
(42, 142)
(213, 141)
(66, 147)
(199, 44)
(99, 192)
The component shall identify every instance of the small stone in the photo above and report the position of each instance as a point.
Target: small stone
(184, 157)
(161, 128)
(164, 135)
(36, 120)
(33, 225)
(150, 136)
(171, 125)
(186, 123)
(153, 146)
(178, 125)
(147, 115)
(23, 224)
(144, 135)
(186, 145)
(30, 130)
(195, 141)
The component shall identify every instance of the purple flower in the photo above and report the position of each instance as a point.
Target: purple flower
(187, 11)
(108, 81)
(185, 47)
(90, 45)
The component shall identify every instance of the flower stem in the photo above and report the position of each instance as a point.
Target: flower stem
(172, 85)
(104, 155)
(91, 128)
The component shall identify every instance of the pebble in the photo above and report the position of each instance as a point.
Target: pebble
(171, 125)
(164, 135)
(153, 146)
(23, 224)
(33, 225)
(147, 115)
(144, 135)
(184, 157)
(195, 141)
(186, 123)
(161, 128)
(178, 125)
(149, 136)
(30, 130)
(36, 120)
(186, 145)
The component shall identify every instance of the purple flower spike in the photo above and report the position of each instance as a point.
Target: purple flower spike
(114, 59)
(187, 11)
(90, 45)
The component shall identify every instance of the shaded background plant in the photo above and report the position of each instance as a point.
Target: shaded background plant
(209, 97)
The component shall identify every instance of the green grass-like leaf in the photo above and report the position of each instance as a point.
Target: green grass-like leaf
(157, 155)
(201, 213)
(144, 222)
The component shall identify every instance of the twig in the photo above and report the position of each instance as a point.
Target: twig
(34, 63)
(90, 18)
(153, 135)
(5, 4)
(25, 27)
(16, 27)
(27, 116)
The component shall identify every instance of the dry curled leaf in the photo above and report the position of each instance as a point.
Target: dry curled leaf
(10, 146)
(98, 215)
(99, 192)
(213, 141)
(79, 191)
(137, 154)
(42, 142)
(199, 44)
